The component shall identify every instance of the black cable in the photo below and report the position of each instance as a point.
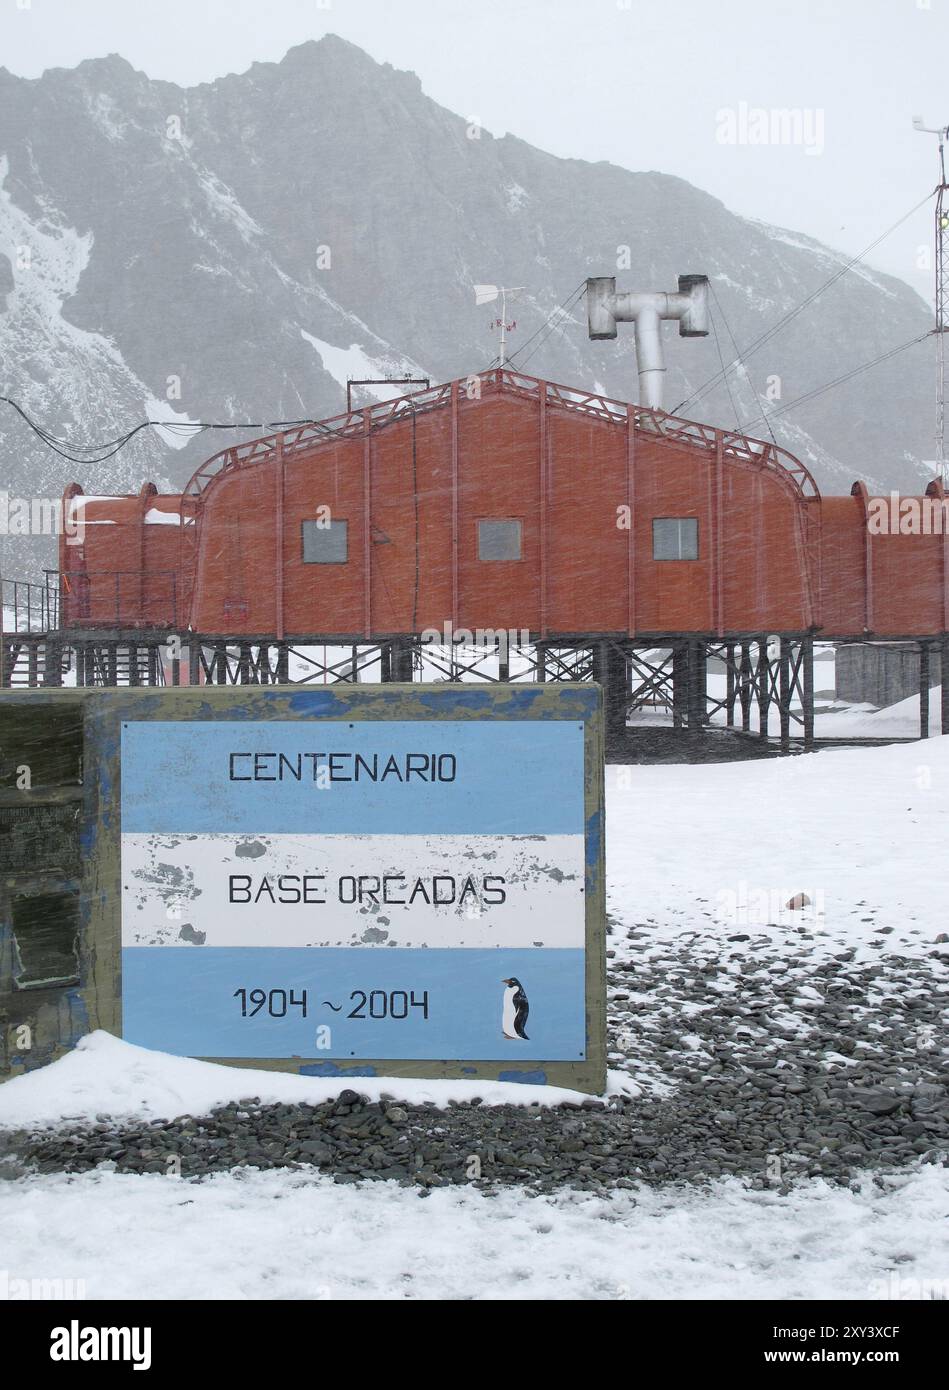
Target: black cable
(556, 325)
(52, 443)
(721, 359)
(562, 306)
(838, 381)
(765, 337)
(731, 335)
(80, 453)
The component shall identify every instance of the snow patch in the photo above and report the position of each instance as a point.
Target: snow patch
(54, 257)
(223, 202)
(159, 412)
(346, 364)
(104, 113)
(105, 1075)
(516, 197)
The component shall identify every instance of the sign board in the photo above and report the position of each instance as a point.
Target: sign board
(353, 879)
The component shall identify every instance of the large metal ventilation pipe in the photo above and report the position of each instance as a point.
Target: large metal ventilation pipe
(646, 308)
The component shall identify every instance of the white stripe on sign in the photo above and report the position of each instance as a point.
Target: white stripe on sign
(353, 890)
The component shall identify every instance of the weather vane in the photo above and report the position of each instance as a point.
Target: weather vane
(487, 294)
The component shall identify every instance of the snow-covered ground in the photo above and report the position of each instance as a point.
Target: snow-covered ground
(285, 1235)
(840, 720)
(699, 857)
(863, 832)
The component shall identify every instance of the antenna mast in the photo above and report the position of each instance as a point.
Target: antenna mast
(942, 290)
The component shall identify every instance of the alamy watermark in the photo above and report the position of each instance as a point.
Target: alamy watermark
(503, 638)
(909, 1289)
(801, 126)
(40, 516)
(80, 1343)
(907, 516)
(15, 1290)
(749, 904)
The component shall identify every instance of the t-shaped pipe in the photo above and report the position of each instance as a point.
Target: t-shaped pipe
(605, 308)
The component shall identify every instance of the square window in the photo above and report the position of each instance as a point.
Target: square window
(325, 544)
(675, 538)
(499, 540)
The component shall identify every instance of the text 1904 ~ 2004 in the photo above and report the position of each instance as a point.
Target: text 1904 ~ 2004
(374, 1003)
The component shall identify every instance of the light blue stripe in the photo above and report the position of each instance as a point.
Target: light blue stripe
(181, 1000)
(516, 777)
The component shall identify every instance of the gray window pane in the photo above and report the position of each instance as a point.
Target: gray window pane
(499, 540)
(325, 545)
(675, 538)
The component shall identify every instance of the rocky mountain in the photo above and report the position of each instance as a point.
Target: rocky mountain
(233, 252)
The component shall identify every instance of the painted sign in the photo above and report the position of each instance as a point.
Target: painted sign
(383, 888)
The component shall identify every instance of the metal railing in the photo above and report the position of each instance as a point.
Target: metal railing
(119, 598)
(28, 606)
(756, 452)
(109, 598)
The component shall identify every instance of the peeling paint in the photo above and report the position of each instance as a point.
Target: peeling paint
(552, 871)
(250, 849)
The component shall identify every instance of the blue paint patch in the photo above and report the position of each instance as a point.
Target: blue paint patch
(578, 702)
(78, 1026)
(477, 700)
(106, 744)
(70, 1026)
(187, 777)
(333, 1069)
(524, 1078)
(436, 1003)
(317, 703)
(592, 841)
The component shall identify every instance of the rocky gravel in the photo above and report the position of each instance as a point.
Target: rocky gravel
(769, 1055)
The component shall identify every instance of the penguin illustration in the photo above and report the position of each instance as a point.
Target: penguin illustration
(516, 1009)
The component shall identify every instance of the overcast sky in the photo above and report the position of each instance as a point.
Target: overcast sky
(673, 85)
